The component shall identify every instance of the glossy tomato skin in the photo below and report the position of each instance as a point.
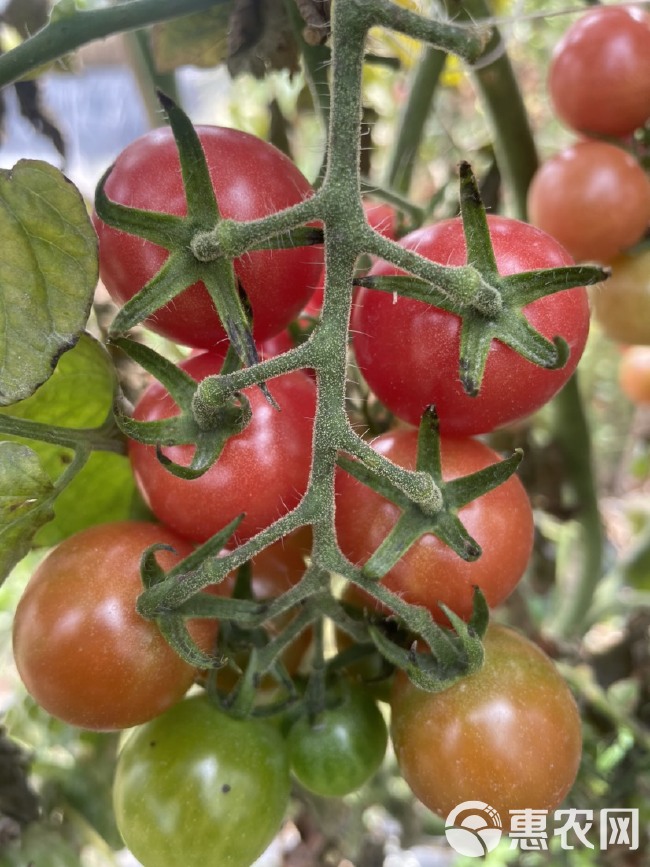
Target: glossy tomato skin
(408, 351)
(263, 471)
(340, 750)
(622, 304)
(251, 179)
(593, 197)
(500, 521)
(81, 649)
(197, 787)
(599, 76)
(634, 374)
(508, 735)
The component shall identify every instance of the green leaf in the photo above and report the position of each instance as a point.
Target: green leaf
(79, 394)
(48, 274)
(196, 40)
(25, 502)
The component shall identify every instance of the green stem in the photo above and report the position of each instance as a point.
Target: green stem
(148, 78)
(105, 438)
(514, 144)
(572, 433)
(70, 33)
(413, 119)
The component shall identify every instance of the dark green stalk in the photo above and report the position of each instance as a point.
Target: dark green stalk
(495, 79)
(413, 119)
(572, 433)
(69, 33)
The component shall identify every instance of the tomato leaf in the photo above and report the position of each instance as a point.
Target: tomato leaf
(197, 40)
(25, 502)
(48, 273)
(79, 394)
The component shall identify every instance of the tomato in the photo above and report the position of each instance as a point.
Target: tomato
(408, 351)
(339, 750)
(197, 787)
(508, 735)
(251, 179)
(382, 217)
(634, 374)
(263, 471)
(81, 649)
(599, 76)
(430, 572)
(593, 197)
(622, 303)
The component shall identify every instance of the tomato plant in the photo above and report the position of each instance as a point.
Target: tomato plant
(598, 179)
(500, 521)
(277, 283)
(408, 350)
(599, 75)
(622, 304)
(508, 735)
(197, 786)
(261, 472)
(338, 751)
(81, 649)
(634, 374)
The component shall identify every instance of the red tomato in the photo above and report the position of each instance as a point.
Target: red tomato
(593, 197)
(263, 471)
(81, 649)
(408, 351)
(634, 374)
(251, 179)
(599, 77)
(500, 521)
(382, 218)
(508, 735)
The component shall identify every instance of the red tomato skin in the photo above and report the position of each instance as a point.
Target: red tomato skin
(251, 179)
(408, 351)
(501, 521)
(262, 471)
(593, 197)
(508, 735)
(81, 649)
(599, 76)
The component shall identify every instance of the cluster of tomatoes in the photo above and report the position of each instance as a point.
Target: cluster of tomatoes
(509, 734)
(595, 195)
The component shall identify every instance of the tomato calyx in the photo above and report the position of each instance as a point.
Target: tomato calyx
(207, 430)
(416, 520)
(483, 320)
(451, 655)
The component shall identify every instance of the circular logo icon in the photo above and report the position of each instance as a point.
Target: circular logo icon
(473, 828)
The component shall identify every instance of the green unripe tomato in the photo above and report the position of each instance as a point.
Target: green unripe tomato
(196, 787)
(340, 750)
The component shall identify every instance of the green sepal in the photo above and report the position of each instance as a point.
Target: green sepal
(175, 632)
(453, 653)
(151, 571)
(209, 432)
